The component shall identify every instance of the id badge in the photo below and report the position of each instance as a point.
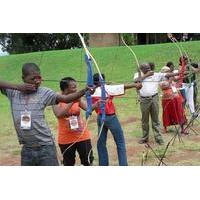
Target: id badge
(25, 120)
(73, 122)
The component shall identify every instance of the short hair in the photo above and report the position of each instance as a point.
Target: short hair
(195, 65)
(144, 65)
(96, 78)
(29, 67)
(152, 65)
(170, 63)
(64, 83)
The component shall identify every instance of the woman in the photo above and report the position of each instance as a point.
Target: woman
(172, 103)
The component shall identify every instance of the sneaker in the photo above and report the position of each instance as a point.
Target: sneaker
(142, 141)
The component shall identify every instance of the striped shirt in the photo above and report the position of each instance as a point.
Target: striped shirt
(39, 134)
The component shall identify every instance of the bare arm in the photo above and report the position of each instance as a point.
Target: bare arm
(195, 70)
(21, 87)
(61, 111)
(71, 97)
(133, 85)
(74, 96)
(83, 105)
(140, 79)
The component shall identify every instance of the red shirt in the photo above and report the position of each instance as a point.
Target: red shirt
(109, 107)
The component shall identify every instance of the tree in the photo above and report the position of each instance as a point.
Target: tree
(30, 42)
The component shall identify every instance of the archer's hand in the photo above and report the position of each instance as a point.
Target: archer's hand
(91, 89)
(26, 88)
(138, 86)
(149, 73)
(186, 73)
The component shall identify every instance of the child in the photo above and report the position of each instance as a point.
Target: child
(111, 121)
(29, 120)
(72, 134)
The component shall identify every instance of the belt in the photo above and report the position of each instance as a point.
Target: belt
(33, 145)
(108, 114)
(150, 96)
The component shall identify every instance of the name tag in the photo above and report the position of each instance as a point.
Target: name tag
(73, 122)
(25, 120)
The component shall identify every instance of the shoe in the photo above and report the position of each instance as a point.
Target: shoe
(142, 141)
(194, 115)
(164, 130)
(185, 132)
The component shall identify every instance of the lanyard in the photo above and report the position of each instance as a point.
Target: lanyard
(26, 98)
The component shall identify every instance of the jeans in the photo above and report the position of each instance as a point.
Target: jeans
(84, 149)
(44, 155)
(111, 123)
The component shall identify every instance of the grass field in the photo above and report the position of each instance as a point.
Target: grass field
(119, 66)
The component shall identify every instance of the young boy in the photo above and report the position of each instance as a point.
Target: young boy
(111, 121)
(28, 115)
(72, 134)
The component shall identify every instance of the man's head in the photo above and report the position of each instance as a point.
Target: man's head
(96, 79)
(195, 65)
(145, 67)
(68, 85)
(31, 74)
(170, 64)
(152, 66)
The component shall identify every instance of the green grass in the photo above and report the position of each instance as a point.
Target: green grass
(117, 63)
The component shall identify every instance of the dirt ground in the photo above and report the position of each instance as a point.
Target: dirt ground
(182, 153)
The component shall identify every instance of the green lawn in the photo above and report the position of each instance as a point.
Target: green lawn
(116, 63)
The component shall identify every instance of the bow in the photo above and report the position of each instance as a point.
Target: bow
(182, 58)
(103, 92)
(133, 53)
(136, 59)
(90, 84)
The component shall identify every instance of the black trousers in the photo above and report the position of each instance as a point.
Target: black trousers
(84, 149)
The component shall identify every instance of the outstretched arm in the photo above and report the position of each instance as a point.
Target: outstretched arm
(168, 75)
(133, 85)
(74, 96)
(140, 79)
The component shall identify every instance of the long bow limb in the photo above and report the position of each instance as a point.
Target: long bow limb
(182, 57)
(137, 62)
(103, 92)
(90, 84)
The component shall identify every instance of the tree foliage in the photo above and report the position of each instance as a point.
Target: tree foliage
(15, 43)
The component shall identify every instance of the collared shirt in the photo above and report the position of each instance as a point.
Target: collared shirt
(150, 84)
(35, 103)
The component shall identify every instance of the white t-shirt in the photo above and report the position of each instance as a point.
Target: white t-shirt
(150, 84)
(111, 90)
